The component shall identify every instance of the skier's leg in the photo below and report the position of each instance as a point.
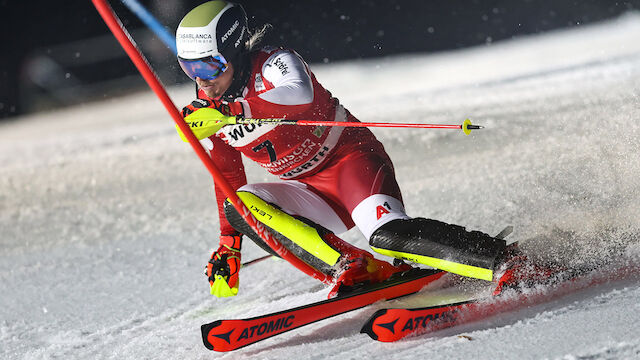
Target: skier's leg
(300, 235)
(303, 222)
(298, 199)
(294, 199)
(364, 180)
(382, 219)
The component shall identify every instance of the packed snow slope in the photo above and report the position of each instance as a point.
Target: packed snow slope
(107, 219)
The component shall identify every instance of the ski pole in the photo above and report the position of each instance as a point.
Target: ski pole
(466, 125)
(257, 260)
(204, 122)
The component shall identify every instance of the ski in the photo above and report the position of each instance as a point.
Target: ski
(228, 335)
(388, 325)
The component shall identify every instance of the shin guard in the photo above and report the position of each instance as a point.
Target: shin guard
(310, 242)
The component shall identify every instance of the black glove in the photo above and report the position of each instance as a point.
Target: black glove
(198, 104)
(222, 269)
(223, 107)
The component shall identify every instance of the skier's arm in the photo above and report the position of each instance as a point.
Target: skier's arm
(229, 162)
(291, 93)
(222, 269)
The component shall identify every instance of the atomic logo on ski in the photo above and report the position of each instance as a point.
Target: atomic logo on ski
(412, 321)
(423, 321)
(226, 336)
(267, 327)
(389, 326)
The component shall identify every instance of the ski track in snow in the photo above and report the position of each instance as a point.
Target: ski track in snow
(107, 219)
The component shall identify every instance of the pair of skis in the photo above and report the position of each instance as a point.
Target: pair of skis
(227, 335)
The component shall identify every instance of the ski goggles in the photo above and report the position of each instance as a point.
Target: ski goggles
(207, 68)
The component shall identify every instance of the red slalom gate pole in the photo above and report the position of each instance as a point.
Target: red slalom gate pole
(126, 41)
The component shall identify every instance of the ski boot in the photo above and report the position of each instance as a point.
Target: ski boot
(362, 268)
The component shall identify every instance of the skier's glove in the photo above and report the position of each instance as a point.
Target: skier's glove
(204, 118)
(198, 104)
(222, 270)
(225, 108)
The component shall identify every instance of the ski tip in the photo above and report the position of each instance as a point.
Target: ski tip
(205, 329)
(367, 328)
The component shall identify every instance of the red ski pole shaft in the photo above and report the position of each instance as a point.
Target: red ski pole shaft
(123, 37)
(376, 124)
(466, 126)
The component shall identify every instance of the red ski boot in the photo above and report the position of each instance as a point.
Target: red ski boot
(362, 268)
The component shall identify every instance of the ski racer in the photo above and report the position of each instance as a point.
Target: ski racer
(333, 178)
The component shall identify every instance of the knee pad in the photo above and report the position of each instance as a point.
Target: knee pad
(241, 226)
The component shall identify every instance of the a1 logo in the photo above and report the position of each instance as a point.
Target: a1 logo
(381, 210)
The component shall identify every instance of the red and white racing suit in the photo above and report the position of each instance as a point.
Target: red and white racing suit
(334, 176)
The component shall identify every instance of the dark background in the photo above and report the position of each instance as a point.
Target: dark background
(61, 53)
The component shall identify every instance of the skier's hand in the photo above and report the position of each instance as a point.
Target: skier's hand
(203, 118)
(225, 108)
(222, 270)
(198, 104)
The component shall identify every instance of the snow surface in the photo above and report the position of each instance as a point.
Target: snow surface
(107, 219)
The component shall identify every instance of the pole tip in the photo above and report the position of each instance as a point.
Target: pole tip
(467, 127)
